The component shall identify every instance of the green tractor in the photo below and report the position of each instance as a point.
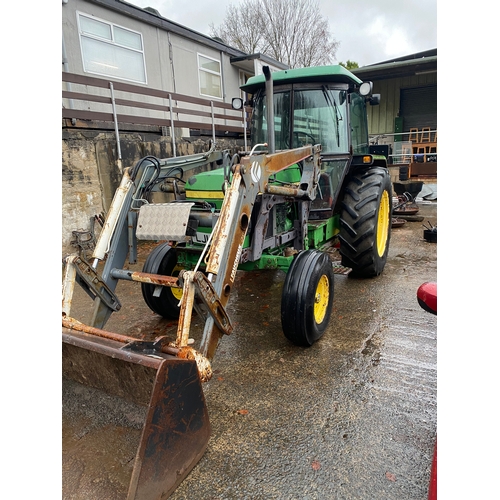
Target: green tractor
(346, 194)
(309, 181)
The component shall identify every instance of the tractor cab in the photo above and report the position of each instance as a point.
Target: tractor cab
(322, 105)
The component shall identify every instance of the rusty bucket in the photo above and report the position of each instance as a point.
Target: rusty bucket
(133, 423)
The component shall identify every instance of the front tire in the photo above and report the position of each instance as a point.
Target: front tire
(162, 260)
(365, 222)
(307, 297)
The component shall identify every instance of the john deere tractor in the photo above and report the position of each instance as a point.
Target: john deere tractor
(308, 181)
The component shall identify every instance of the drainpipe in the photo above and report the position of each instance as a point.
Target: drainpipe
(171, 58)
(270, 109)
(172, 67)
(222, 76)
(172, 129)
(213, 120)
(117, 134)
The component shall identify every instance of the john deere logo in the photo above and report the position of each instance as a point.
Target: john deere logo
(255, 172)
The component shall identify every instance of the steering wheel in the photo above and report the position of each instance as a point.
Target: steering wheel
(299, 133)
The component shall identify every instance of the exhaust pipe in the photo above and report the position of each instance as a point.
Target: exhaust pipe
(269, 109)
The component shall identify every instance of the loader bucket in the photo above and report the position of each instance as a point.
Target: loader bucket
(133, 424)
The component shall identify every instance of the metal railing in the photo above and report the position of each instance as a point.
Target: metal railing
(122, 105)
(406, 150)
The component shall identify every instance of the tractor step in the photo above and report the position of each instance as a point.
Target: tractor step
(338, 269)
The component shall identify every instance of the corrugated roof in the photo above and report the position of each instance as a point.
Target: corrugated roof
(419, 63)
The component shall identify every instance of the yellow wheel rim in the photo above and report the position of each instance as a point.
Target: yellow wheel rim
(383, 223)
(176, 292)
(321, 299)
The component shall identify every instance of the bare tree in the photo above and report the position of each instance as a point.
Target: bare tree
(241, 28)
(291, 31)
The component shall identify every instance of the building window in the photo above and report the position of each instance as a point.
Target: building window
(110, 50)
(210, 76)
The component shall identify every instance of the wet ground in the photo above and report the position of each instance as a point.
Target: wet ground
(352, 417)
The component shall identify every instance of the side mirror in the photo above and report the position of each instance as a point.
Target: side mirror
(374, 99)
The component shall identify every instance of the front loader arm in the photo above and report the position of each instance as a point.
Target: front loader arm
(224, 253)
(250, 178)
(117, 238)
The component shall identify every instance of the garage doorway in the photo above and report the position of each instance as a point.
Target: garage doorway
(418, 107)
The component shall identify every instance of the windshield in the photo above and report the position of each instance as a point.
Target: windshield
(319, 116)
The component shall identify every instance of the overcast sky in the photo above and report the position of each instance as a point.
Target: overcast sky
(369, 31)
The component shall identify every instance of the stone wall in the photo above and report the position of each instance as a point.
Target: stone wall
(91, 174)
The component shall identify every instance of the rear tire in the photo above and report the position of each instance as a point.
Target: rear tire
(365, 222)
(162, 260)
(307, 297)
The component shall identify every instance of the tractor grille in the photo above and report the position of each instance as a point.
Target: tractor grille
(281, 211)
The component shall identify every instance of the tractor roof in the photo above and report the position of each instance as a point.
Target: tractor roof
(334, 73)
